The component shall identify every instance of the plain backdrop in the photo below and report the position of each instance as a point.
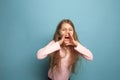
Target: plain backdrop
(28, 25)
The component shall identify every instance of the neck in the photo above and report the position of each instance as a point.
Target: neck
(64, 47)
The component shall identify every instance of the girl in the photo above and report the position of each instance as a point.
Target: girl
(64, 51)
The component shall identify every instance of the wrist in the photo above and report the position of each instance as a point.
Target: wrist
(60, 42)
(76, 43)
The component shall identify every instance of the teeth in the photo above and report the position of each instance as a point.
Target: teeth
(67, 37)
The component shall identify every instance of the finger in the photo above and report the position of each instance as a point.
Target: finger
(71, 37)
(69, 44)
(63, 37)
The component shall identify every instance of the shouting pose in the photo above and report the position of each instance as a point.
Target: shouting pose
(64, 50)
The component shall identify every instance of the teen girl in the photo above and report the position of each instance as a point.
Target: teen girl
(64, 50)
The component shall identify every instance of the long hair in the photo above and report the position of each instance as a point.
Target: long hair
(55, 56)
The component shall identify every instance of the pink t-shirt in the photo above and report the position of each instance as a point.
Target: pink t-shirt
(64, 72)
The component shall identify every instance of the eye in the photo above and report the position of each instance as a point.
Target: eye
(63, 29)
(70, 29)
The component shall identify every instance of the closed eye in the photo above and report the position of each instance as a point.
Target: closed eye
(63, 29)
(70, 30)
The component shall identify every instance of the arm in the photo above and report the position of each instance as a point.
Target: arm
(51, 47)
(86, 53)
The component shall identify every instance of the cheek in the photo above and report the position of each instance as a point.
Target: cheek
(71, 32)
(62, 33)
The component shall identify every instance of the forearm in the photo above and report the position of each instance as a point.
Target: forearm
(86, 53)
(42, 53)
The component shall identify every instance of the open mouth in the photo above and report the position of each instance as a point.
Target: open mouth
(67, 37)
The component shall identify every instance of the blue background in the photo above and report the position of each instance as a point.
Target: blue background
(28, 25)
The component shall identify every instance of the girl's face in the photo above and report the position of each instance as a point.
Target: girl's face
(67, 30)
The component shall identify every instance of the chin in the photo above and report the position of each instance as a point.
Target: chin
(66, 41)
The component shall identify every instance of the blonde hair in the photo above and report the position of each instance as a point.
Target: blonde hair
(55, 56)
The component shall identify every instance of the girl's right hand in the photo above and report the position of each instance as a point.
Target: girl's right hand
(62, 40)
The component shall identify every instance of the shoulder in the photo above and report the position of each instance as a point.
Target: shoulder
(51, 42)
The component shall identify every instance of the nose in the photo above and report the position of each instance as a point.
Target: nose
(67, 31)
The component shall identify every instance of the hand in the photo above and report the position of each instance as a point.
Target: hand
(62, 39)
(72, 41)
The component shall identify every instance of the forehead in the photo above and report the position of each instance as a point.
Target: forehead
(66, 25)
